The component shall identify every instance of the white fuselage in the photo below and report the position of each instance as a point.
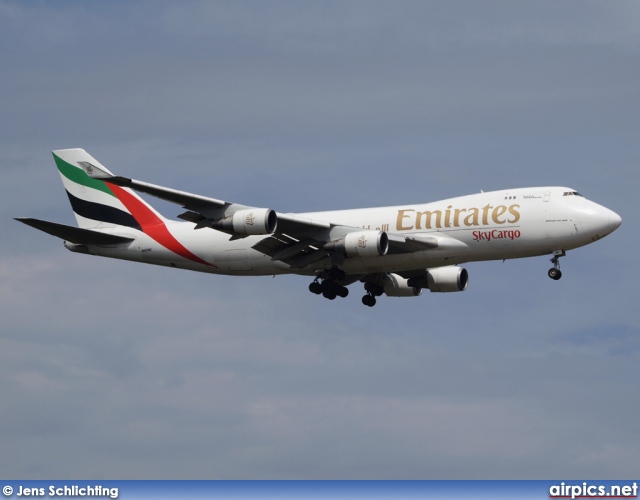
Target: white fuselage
(507, 224)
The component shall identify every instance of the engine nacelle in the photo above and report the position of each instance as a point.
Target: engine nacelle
(396, 286)
(361, 244)
(443, 279)
(249, 221)
(447, 279)
(76, 247)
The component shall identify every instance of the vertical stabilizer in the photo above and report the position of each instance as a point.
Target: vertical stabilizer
(96, 203)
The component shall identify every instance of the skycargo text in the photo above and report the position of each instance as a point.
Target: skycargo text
(495, 235)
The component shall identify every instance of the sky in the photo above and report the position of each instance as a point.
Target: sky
(116, 370)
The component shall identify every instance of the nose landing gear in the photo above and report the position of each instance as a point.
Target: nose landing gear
(555, 273)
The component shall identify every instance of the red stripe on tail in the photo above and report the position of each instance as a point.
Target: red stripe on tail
(152, 225)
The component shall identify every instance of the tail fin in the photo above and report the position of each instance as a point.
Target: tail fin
(97, 203)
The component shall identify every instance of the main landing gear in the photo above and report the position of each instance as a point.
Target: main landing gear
(555, 273)
(329, 287)
(373, 290)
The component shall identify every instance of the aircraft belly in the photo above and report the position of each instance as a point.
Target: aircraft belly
(248, 262)
(234, 260)
(398, 262)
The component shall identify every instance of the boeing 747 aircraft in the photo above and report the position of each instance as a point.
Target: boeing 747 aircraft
(397, 251)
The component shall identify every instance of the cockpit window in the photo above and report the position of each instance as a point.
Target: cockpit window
(572, 193)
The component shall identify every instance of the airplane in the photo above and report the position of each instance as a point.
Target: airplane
(397, 251)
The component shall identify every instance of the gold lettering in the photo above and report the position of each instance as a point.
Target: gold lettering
(428, 215)
(456, 215)
(472, 218)
(452, 217)
(497, 212)
(485, 214)
(516, 215)
(402, 215)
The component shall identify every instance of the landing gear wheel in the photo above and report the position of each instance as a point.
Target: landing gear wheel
(555, 274)
(374, 289)
(369, 300)
(326, 284)
(329, 294)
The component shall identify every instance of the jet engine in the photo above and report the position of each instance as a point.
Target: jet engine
(249, 221)
(442, 279)
(397, 286)
(361, 244)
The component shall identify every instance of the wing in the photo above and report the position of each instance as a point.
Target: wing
(296, 240)
(200, 208)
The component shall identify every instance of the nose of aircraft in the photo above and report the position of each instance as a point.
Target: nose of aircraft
(599, 220)
(614, 220)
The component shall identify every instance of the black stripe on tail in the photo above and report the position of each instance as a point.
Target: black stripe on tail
(104, 213)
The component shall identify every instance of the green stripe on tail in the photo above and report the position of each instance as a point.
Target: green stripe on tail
(77, 175)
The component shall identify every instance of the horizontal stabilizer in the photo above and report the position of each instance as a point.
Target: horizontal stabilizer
(74, 234)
